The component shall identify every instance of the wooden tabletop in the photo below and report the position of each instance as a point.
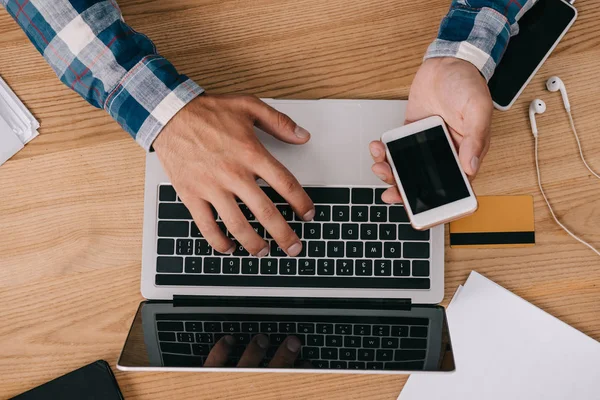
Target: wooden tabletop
(71, 202)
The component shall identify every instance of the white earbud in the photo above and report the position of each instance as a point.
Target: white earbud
(537, 107)
(555, 84)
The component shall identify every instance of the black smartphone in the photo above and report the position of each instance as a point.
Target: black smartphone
(540, 30)
(95, 381)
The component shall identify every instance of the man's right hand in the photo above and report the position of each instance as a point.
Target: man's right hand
(211, 153)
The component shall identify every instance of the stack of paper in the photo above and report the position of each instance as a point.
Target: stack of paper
(17, 125)
(506, 348)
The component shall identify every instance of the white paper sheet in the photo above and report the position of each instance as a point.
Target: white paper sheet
(507, 349)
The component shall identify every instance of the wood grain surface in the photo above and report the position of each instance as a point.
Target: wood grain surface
(71, 202)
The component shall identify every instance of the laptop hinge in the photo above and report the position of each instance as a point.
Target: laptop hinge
(290, 302)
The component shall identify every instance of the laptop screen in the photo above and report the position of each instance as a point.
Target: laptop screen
(301, 337)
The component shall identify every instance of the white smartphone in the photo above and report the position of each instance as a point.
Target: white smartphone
(434, 188)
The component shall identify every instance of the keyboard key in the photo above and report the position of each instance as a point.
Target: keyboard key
(325, 267)
(306, 327)
(247, 212)
(304, 248)
(384, 355)
(169, 326)
(240, 251)
(349, 231)
(268, 327)
(312, 231)
(169, 264)
(378, 193)
(212, 265)
(381, 330)
(371, 342)
(193, 265)
(297, 228)
(359, 365)
(368, 232)
(202, 248)
(399, 331)
(328, 353)
(366, 354)
(250, 266)
(352, 341)
(166, 193)
(167, 336)
(362, 196)
(413, 343)
(178, 348)
(250, 327)
(420, 268)
(401, 268)
(333, 341)
(344, 268)
(338, 365)
(343, 329)
(173, 228)
(231, 327)
(320, 364)
(359, 214)
(348, 354)
(363, 268)
(407, 355)
(390, 343)
(173, 211)
(398, 214)
(204, 337)
(193, 326)
(268, 266)
(326, 329)
(383, 268)
(354, 249)
(307, 266)
(276, 251)
(310, 353)
(301, 338)
(184, 247)
(407, 232)
(286, 211)
(373, 249)
(165, 246)
(185, 337)
(287, 327)
(315, 340)
(331, 231)
(362, 330)
(341, 213)
(375, 365)
(378, 214)
(213, 327)
(416, 250)
(200, 349)
(316, 249)
(194, 231)
(258, 228)
(322, 213)
(276, 339)
(287, 266)
(418, 331)
(231, 265)
(328, 195)
(387, 232)
(392, 250)
(335, 249)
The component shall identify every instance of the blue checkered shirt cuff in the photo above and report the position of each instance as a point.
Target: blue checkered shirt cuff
(478, 31)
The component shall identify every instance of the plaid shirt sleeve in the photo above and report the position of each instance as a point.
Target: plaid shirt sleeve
(478, 31)
(109, 64)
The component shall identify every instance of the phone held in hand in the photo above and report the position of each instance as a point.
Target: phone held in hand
(433, 186)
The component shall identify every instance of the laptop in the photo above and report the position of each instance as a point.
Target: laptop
(361, 297)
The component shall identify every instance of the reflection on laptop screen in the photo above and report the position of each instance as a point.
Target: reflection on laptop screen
(411, 339)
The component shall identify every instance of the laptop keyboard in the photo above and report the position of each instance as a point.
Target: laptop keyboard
(354, 241)
(328, 342)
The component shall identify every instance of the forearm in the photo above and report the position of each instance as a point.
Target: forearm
(478, 31)
(93, 51)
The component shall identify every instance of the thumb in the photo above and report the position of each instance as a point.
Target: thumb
(471, 152)
(276, 124)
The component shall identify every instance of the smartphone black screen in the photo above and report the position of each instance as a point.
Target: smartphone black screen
(539, 29)
(428, 170)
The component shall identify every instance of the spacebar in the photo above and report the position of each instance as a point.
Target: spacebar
(288, 281)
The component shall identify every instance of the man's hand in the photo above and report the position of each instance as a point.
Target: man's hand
(211, 154)
(455, 90)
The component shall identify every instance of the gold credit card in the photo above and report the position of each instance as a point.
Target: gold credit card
(500, 221)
